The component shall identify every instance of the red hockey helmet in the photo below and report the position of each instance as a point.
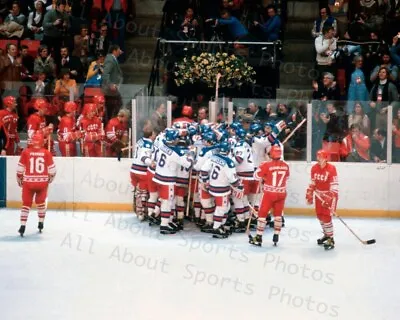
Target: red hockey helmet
(90, 108)
(275, 153)
(187, 111)
(38, 140)
(41, 104)
(322, 154)
(9, 102)
(70, 106)
(99, 99)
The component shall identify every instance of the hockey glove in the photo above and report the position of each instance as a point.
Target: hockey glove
(19, 181)
(310, 194)
(238, 192)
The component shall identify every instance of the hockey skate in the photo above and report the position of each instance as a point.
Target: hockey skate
(174, 226)
(239, 227)
(40, 226)
(220, 233)
(275, 239)
(154, 221)
(322, 240)
(167, 230)
(21, 231)
(255, 241)
(329, 244)
(271, 224)
(179, 223)
(207, 228)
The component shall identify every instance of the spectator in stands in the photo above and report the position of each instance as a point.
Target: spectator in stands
(118, 13)
(336, 124)
(16, 15)
(385, 63)
(395, 51)
(112, 79)
(100, 43)
(270, 30)
(325, 45)
(382, 94)
(236, 30)
(202, 114)
(55, 24)
(66, 88)
(257, 112)
(372, 53)
(28, 62)
(81, 47)
(42, 85)
(35, 20)
(159, 118)
(358, 29)
(357, 90)
(327, 90)
(10, 70)
(355, 146)
(325, 20)
(379, 146)
(233, 6)
(190, 28)
(72, 63)
(95, 72)
(359, 118)
(44, 63)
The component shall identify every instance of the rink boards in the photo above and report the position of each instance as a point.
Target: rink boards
(103, 184)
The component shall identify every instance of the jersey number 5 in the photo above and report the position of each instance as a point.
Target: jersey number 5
(36, 165)
(277, 178)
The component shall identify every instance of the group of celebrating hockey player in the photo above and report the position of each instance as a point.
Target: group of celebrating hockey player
(232, 179)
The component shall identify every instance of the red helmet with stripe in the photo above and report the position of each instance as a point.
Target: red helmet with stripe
(41, 104)
(275, 153)
(38, 140)
(322, 154)
(70, 106)
(9, 102)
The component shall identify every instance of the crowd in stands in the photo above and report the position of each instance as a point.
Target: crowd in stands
(356, 80)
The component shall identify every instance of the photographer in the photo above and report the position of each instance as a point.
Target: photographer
(95, 72)
(55, 24)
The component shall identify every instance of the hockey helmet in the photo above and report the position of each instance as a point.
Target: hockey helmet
(99, 99)
(241, 133)
(38, 140)
(187, 111)
(41, 104)
(224, 147)
(224, 135)
(70, 106)
(171, 135)
(204, 128)
(322, 154)
(9, 102)
(255, 128)
(276, 152)
(192, 130)
(210, 137)
(235, 125)
(90, 108)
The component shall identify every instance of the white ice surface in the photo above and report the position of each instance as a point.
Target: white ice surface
(104, 266)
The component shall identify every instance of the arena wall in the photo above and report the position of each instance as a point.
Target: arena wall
(101, 184)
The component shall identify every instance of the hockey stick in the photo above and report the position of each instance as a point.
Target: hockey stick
(294, 131)
(252, 211)
(188, 196)
(365, 242)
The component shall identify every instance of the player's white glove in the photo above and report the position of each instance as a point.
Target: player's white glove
(238, 192)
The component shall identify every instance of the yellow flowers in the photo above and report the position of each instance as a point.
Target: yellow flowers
(205, 67)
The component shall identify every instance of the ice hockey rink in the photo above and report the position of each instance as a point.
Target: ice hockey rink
(99, 266)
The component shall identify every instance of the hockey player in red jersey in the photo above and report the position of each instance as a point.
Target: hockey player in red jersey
(117, 133)
(186, 119)
(35, 171)
(324, 183)
(9, 118)
(93, 134)
(100, 102)
(67, 132)
(37, 123)
(274, 175)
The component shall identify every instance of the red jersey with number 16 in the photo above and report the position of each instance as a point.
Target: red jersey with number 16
(274, 175)
(36, 166)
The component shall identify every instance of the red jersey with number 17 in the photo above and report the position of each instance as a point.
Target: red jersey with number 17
(36, 166)
(274, 175)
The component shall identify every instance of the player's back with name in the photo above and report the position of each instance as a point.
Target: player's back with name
(36, 165)
(222, 175)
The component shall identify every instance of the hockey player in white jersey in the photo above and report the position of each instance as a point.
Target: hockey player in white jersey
(203, 196)
(243, 160)
(219, 177)
(170, 159)
(153, 205)
(141, 161)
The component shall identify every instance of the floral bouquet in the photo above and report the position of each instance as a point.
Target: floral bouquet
(205, 67)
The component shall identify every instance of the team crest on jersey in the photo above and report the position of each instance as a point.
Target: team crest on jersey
(321, 177)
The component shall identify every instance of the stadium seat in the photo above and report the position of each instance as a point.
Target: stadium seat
(4, 42)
